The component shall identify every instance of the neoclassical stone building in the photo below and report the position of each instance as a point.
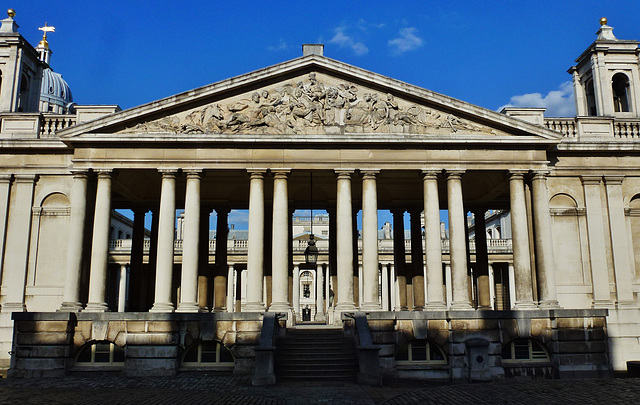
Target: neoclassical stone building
(558, 298)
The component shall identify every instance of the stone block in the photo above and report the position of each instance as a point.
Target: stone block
(244, 352)
(571, 323)
(42, 351)
(42, 326)
(437, 325)
(404, 326)
(84, 329)
(381, 325)
(163, 326)
(464, 324)
(136, 326)
(387, 351)
(142, 339)
(115, 328)
(152, 352)
(40, 364)
(43, 338)
(150, 367)
(581, 347)
(573, 334)
(457, 349)
(247, 338)
(248, 326)
(540, 326)
(383, 338)
(243, 366)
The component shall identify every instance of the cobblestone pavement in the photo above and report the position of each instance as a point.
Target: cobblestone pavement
(224, 389)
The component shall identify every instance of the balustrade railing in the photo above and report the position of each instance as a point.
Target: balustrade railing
(123, 246)
(50, 124)
(626, 129)
(566, 126)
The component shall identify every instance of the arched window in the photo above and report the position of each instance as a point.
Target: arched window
(620, 85)
(101, 354)
(207, 354)
(420, 351)
(306, 278)
(120, 233)
(524, 351)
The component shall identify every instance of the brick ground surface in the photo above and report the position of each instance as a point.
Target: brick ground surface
(225, 389)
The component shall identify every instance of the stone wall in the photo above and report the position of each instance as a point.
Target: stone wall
(576, 342)
(47, 344)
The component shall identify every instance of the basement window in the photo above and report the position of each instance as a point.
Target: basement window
(101, 354)
(207, 354)
(420, 351)
(524, 350)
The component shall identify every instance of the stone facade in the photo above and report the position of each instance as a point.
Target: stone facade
(558, 298)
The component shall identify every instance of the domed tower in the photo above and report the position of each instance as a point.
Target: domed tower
(55, 94)
(606, 79)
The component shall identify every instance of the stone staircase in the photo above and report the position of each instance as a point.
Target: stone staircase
(318, 353)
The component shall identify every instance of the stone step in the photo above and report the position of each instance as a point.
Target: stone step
(316, 354)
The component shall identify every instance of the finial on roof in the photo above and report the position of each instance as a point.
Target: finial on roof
(605, 33)
(43, 46)
(8, 24)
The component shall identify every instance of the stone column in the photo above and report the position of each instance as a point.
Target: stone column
(449, 284)
(482, 257)
(417, 281)
(221, 279)
(136, 278)
(344, 238)
(319, 293)
(190, 244)
(399, 258)
(546, 269)
(395, 304)
(16, 249)
(71, 298)
(100, 245)
(166, 231)
(520, 239)
(332, 274)
(622, 265)
(281, 244)
(370, 300)
(385, 287)
(296, 291)
(457, 242)
(231, 281)
(123, 282)
(255, 254)
(207, 293)
(433, 245)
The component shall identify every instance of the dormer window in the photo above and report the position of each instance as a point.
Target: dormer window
(620, 85)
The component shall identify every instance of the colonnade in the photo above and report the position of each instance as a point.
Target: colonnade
(428, 263)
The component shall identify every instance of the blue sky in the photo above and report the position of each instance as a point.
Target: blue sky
(489, 53)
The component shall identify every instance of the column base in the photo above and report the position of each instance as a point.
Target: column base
(97, 307)
(70, 307)
(435, 306)
(14, 307)
(461, 306)
(188, 307)
(162, 307)
(525, 305)
(417, 308)
(254, 307)
(626, 305)
(552, 304)
(346, 307)
(370, 306)
(604, 304)
(280, 307)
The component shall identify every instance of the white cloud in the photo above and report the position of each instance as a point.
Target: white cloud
(239, 218)
(407, 41)
(559, 103)
(282, 46)
(344, 41)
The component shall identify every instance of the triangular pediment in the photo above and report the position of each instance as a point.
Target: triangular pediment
(312, 95)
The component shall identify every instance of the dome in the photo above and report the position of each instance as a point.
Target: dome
(55, 94)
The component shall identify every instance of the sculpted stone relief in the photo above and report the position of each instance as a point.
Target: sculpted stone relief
(311, 107)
